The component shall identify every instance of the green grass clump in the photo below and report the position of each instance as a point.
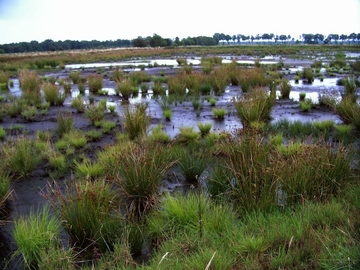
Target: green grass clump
(302, 96)
(20, 157)
(78, 104)
(74, 76)
(93, 135)
(212, 101)
(219, 80)
(204, 128)
(343, 133)
(191, 163)
(2, 133)
(256, 106)
(285, 89)
(51, 93)
(95, 82)
(75, 138)
(126, 88)
(136, 121)
(95, 112)
(158, 88)
(250, 183)
(158, 135)
(167, 114)
(108, 126)
(58, 162)
(65, 123)
(187, 135)
(306, 105)
(39, 231)
(219, 113)
(87, 210)
(88, 170)
(141, 169)
(139, 77)
(29, 113)
(308, 75)
(349, 112)
(30, 83)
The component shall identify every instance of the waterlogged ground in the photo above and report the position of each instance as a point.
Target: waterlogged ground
(26, 192)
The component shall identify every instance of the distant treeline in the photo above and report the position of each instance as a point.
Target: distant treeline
(158, 41)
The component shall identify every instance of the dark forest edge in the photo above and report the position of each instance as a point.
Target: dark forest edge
(158, 41)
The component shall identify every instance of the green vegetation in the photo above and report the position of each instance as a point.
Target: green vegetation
(269, 195)
(255, 106)
(35, 233)
(136, 121)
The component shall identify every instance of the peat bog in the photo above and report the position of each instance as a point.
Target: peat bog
(193, 89)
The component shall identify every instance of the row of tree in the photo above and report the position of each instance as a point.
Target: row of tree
(158, 41)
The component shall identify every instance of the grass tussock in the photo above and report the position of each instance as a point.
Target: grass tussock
(136, 120)
(255, 106)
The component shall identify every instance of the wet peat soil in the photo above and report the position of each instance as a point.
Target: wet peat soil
(26, 192)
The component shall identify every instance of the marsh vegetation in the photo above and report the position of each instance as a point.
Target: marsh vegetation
(111, 188)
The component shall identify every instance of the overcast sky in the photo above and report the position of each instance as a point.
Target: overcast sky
(27, 20)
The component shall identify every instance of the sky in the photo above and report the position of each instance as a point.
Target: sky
(27, 20)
